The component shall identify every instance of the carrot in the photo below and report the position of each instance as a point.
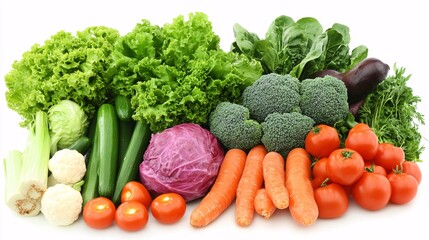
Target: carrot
(250, 181)
(303, 207)
(263, 204)
(223, 191)
(273, 167)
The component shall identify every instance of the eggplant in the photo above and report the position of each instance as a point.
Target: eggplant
(354, 108)
(361, 79)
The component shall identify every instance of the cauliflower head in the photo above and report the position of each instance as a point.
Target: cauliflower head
(67, 166)
(61, 204)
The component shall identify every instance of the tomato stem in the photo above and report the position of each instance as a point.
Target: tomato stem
(325, 182)
(315, 129)
(347, 154)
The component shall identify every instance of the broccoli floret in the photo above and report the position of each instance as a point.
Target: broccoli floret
(231, 124)
(284, 131)
(272, 93)
(324, 99)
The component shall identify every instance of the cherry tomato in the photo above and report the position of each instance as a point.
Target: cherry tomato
(99, 213)
(389, 156)
(362, 139)
(332, 200)
(372, 167)
(322, 140)
(134, 190)
(168, 208)
(413, 169)
(404, 187)
(131, 215)
(372, 191)
(318, 172)
(344, 166)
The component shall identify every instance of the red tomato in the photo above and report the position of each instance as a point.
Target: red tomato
(413, 169)
(131, 215)
(319, 168)
(372, 191)
(372, 167)
(136, 191)
(404, 187)
(332, 200)
(322, 140)
(344, 166)
(389, 156)
(362, 139)
(318, 172)
(168, 208)
(99, 213)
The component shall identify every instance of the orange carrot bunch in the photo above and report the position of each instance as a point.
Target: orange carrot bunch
(260, 182)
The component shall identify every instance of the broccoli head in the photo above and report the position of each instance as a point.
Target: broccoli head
(283, 132)
(324, 99)
(272, 93)
(231, 124)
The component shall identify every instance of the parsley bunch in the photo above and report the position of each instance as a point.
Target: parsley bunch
(391, 110)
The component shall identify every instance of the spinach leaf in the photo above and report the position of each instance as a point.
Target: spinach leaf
(299, 48)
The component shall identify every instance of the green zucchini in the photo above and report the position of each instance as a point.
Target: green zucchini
(107, 129)
(133, 157)
(81, 145)
(90, 184)
(123, 108)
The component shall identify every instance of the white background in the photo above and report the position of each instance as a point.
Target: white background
(394, 32)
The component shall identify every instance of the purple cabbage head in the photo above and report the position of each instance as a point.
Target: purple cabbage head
(184, 159)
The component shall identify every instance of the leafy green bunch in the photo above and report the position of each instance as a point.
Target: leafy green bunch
(65, 66)
(177, 73)
(391, 111)
(299, 48)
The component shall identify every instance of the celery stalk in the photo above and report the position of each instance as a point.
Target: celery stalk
(14, 199)
(35, 159)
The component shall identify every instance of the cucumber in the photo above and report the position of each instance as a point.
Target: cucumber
(133, 157)
(81, 145)
(90, 132)
(107, 129)
(126, 129)
(123, 108)
(90, 184)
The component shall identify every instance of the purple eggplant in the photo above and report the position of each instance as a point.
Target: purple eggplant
(360, 80)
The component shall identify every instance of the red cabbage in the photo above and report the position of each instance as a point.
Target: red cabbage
(184, 159)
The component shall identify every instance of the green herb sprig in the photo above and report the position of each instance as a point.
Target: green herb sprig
(391, 110)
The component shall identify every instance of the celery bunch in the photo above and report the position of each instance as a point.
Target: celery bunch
(26, 173)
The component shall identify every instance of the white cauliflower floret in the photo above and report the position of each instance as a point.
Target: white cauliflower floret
(61, 204)
(67, 166)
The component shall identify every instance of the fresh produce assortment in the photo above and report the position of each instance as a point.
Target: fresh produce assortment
(123, 128)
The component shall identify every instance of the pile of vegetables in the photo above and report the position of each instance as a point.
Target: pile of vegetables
(161, 116)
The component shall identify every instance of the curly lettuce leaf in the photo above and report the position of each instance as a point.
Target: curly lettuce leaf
(66, 66)
(181, 73)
